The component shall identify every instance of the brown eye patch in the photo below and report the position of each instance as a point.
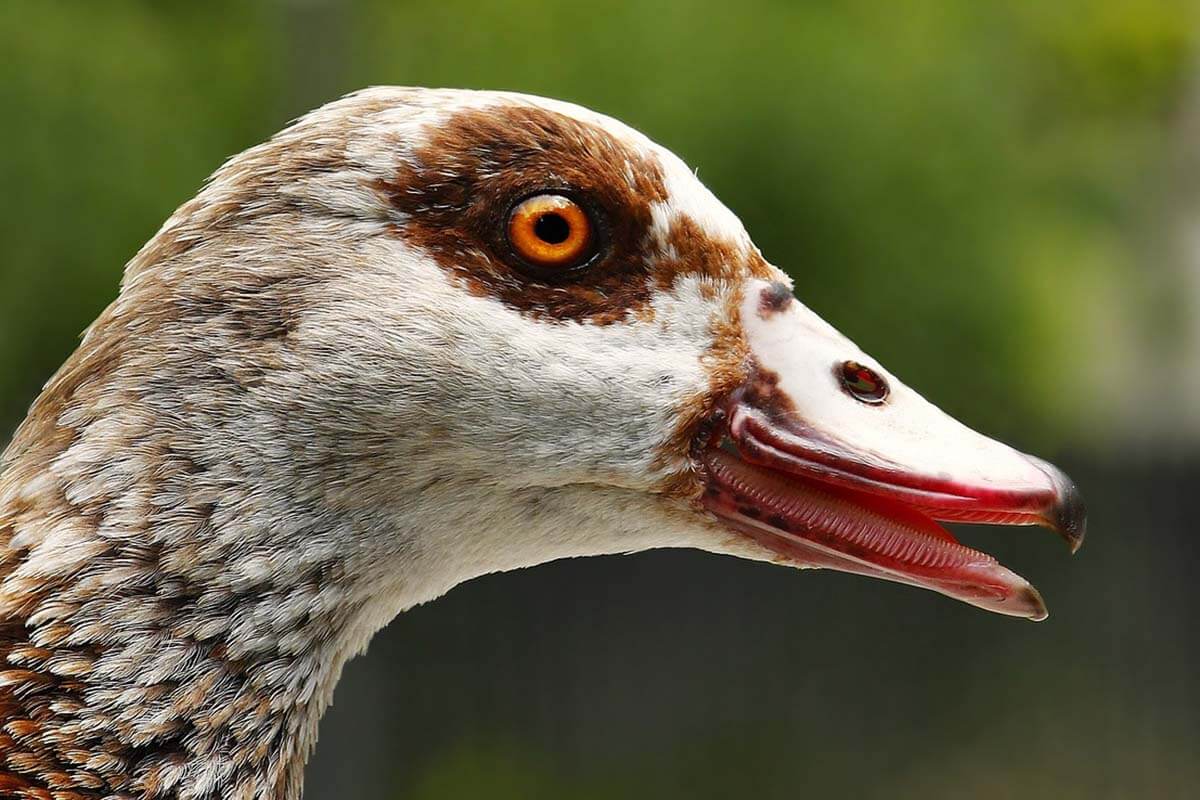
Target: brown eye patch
(457, 191)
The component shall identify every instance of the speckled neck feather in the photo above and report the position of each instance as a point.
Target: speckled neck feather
(164, 632)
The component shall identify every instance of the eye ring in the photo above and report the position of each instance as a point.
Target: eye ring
(862, 383)
(551, 231)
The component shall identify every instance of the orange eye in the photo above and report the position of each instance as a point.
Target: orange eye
(550, 230)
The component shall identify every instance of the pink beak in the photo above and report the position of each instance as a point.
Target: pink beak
(828, 461)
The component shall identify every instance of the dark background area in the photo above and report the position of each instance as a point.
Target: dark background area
(997, 199)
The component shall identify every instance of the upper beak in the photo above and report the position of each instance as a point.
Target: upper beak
(830, 461)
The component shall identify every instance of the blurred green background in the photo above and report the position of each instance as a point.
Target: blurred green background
(1000, 200)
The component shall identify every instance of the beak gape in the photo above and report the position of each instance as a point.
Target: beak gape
(830, 461)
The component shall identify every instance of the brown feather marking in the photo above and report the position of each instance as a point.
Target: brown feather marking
(724, 269)
(728, 365)
(458, 188)
(695, 252)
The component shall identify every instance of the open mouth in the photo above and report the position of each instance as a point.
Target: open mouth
(815, 503)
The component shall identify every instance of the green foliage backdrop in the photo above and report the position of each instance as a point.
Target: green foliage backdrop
(964, 186)
(977, 191)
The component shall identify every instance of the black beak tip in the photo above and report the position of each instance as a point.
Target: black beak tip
(1068, 515)
(1031, 598)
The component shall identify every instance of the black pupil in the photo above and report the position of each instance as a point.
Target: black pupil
(552, 228)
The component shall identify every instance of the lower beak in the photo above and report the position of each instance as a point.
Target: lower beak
(856, 477)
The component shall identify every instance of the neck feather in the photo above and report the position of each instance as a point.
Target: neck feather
(163, 633)
(185, 571)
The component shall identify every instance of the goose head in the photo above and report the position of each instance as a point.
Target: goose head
(417, 337)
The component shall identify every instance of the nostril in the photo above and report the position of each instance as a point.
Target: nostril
(774, 298)
(861, 382)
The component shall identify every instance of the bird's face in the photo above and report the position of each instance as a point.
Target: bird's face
(544, 305)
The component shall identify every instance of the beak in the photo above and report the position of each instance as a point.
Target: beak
(826, 459)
